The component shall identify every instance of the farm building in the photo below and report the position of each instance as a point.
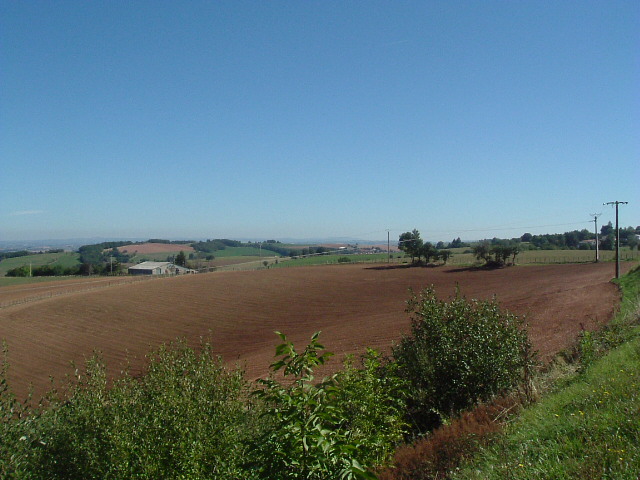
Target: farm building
(158, 268)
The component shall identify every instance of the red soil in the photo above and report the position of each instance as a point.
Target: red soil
(355, 306)
(145, 248)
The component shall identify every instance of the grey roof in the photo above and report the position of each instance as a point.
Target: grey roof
(151, 265)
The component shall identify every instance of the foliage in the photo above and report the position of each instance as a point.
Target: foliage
(410, 243)
(497, 254)
(459, 352)
(445, 255)
(181, 259)
(371, 405)
(344, 260)
(187, 417)
(22, 271)
(304, 440)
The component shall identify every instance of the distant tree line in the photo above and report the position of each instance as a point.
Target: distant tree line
(211, 246)
(24, 253)
(43, 271)
(501, 251)
(576, 239)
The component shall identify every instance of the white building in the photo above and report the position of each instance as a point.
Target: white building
(158, 268)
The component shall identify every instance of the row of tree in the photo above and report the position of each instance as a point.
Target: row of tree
(576, 239)
(411, 244)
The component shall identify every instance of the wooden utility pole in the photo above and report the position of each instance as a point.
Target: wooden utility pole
(616, 203)
(595, 220)
(388, 248)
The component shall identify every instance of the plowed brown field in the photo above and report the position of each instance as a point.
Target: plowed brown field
(354, 305)
(143, 248)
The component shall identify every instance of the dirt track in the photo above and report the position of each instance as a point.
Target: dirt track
(354, 305)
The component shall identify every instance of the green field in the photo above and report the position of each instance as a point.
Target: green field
(66, 259)
(227, 252)
(333, 259)
(461, 258)
(551, 256)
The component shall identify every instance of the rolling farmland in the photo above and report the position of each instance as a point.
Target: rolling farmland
(355, 306)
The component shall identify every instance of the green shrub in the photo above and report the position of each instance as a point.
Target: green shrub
(459, 352)
(304, 440)
(187, 417)
(344, 260)
(371, 406)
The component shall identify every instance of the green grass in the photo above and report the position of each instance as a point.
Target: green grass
(227, 252)
(244, 252)
(332, 259)
(550, 256)
(589, 429)
(66, 259)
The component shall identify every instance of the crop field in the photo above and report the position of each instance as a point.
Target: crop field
(528, 257)
(354, 305)
(65, 259)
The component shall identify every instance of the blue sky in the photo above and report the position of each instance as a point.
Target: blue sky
(317, 119)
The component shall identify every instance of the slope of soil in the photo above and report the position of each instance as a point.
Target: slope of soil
(145, 248)
(353, 305)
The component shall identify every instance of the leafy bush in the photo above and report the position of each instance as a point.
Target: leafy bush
(187, 417)
(344, 260)
(371, 405)
(305, 440)
(459, 352)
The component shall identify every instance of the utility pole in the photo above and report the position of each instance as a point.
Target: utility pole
(388, 248)
(595, 220)
(616, 203)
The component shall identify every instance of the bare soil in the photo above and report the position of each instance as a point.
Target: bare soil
(145, 248)
(354, 306)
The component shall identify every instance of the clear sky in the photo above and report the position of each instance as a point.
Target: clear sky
(188, 119)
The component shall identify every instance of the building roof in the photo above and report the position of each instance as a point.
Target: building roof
(151, 265)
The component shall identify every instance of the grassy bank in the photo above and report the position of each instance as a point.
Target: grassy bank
(590, 428)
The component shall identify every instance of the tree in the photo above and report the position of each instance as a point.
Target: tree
(181, 259)
(445, 255)
(22, 271)
(411, 243)
(526, 237)
(608, 242)
(427, 251)
(482, 252)
(606, 229)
